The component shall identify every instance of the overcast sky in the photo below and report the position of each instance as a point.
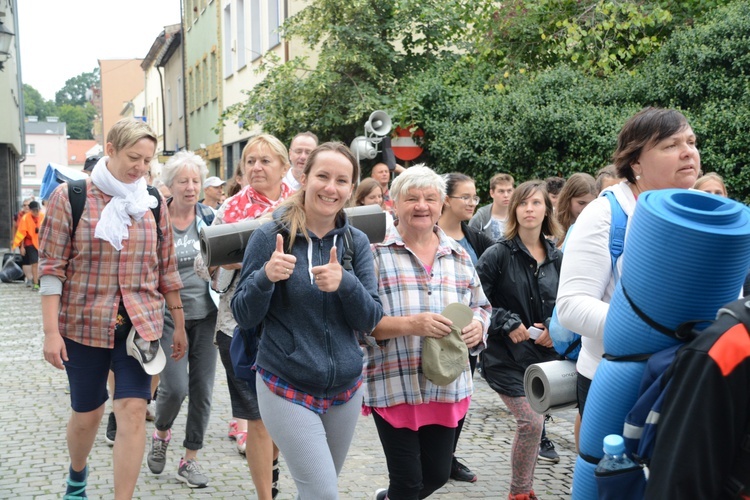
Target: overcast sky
(60, 39)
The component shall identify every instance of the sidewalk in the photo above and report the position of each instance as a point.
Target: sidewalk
(35, 411)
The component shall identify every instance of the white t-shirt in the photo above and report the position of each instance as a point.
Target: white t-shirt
(586, 279)
(290, 181)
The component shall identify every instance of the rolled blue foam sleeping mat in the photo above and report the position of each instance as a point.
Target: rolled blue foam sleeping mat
(613, 393)
(625, 333)
(584, 482)
(686, 254)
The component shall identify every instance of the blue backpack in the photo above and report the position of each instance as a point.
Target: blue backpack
(566, 342)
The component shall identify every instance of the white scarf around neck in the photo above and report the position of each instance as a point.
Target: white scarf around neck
(128, 200)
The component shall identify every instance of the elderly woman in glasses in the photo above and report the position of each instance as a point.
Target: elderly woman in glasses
(458, 208)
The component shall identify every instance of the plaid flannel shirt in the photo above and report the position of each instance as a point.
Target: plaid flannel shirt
(393, 369)
(95, 276)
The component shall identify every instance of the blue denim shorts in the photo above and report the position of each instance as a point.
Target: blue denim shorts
(88, 368)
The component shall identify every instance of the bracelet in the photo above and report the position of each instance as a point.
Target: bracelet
(171, 308)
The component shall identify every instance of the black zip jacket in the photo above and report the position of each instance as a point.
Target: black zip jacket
(520, 293)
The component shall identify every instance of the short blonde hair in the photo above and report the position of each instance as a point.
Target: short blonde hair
(711, 176)
(128, 131)
(272, 143)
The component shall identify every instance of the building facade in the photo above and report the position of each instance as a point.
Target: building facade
(12, 144)
(46, 142)
(201, 29)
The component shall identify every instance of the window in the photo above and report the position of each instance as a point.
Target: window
(180, 98)
(228, 69)
(30, 149)
(29, 170)
(241, 48)
(255, 41)
(274, 21)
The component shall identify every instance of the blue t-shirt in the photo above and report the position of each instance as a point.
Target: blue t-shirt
(465, 243)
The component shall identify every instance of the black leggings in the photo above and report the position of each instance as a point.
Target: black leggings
(419, 462)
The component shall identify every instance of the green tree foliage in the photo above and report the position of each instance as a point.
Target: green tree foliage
(75, 89)
(364, 49)
(35, 105)
(78, 119)
(492, 94)
(562, 120)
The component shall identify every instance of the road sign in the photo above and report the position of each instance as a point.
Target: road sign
(407, 146)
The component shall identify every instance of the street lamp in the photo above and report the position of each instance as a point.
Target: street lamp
(6, 36)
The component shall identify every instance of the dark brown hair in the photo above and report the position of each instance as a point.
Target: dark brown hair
(578, 184)
(365, 187)
(642, 131)
(550, 226)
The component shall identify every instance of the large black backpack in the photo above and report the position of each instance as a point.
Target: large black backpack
(642, 423)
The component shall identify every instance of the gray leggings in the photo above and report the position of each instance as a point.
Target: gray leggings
(314, 446)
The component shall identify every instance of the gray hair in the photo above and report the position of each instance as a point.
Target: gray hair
(181, 159)
(417, 177)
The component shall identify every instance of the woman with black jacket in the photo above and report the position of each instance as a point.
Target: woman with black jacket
(520, 275)
(460, 202)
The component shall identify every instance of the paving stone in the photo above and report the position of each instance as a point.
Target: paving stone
(35, 410)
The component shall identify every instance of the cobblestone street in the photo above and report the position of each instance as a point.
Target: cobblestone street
(35, 410)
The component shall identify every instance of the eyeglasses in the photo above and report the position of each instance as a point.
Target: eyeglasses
(302, 151)
(467, 199)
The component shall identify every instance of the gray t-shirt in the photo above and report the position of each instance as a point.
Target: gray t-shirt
(196, 300)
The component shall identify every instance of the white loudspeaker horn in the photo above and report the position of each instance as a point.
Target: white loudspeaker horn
(362, 147)
(379, 123)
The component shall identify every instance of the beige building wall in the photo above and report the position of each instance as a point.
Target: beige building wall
(248, 37)
(122, 80)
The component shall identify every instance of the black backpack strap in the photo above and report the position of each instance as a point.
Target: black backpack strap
(572, 346)
(156, 210)
(684, 331)
(739, 310)
(346, 261)
(77, 199)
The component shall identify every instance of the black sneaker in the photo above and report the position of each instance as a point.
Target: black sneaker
(459, 472)
(547, 451)
(109, 436)
(275, 479)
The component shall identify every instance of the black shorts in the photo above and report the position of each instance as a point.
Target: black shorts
(583, 385)
(32, 255)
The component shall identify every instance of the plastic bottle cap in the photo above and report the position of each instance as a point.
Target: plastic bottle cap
(614, 444)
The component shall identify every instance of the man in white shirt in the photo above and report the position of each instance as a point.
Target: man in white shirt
(213, 190)
(300, 148)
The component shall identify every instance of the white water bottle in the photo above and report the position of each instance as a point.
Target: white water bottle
(615, 457)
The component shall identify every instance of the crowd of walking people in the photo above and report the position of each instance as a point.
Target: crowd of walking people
(341, 325)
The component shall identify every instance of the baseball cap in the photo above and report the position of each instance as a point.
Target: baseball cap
(91, 161)
(213, 182)
(149, 354)
(444, 359)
